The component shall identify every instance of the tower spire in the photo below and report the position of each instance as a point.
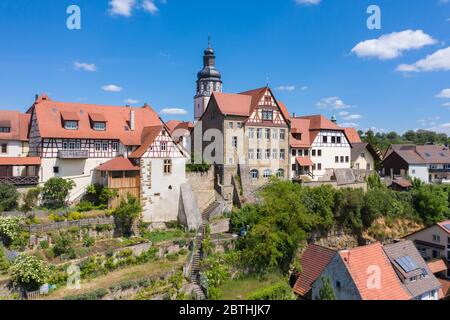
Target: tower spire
(209, 41)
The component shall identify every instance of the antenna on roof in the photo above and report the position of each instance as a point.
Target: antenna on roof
(267, 81)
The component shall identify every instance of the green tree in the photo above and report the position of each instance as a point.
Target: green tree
(348, 206)
(55, 192)
(319, 201)
(431, 202)
(30, 199)
(8, 197)
(326, 292)
(29, 272)
(126, 214)
(374, 182)
(10, 229)
(63, 246)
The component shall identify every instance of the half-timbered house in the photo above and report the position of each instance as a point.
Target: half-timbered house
(92, 143)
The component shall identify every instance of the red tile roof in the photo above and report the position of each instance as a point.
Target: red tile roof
(313, 262)
(173, 125)
(300, 126)
(118, 164)
(20, 161)
(445, 225)
(445, 289)
(359, 262)
(149, 135)
(304, 161)
(437, 266)
(18, 122)
(352, 135)
(402, 182)
(49, 113)
(319, 122)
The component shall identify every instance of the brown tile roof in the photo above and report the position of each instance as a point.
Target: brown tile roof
(421, 285)
(313, 262)
(357, 149)
(20, 161)
(118, 164)
(49, 114)
(149, 134)
(437, 266)
(402, 182)
(359, 260)
(304, 161)
(352, 135)
(319, 122)
(173, 125)
(421, 154)
(18, 122)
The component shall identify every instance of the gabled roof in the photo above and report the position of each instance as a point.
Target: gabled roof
(173, 125)
(300, 126)
(243, 104)
(320, 122)
(407, 249)
(313, 262)
(352, 135)
(49, 114)
(359, 260)
(149, 134)
(445, 225)
(118, 164)
(358, 148)
(421, 154)
(18, 122)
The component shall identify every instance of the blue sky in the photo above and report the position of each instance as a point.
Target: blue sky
(316, 56)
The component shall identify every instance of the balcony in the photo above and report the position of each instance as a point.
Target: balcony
(21, 181)
(73, 154)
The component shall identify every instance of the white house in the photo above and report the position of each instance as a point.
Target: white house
(317, 146)
(77, 141)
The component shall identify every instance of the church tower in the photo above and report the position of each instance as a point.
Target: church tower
(208, 81)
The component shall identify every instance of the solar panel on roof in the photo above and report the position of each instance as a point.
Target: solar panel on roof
(447, 226)
(407, 264)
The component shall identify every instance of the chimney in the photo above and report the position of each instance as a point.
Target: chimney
(132, 119)
(36, 97)
(293, 115)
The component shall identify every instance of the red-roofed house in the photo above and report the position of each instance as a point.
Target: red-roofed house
(313, 261)
(363, 273)
(254, 127)
(15, 165)
(317, 145)
(181, 133)
(128, 149)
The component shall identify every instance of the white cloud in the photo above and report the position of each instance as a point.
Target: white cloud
(332, 103)
(112, 88)
(174, 111)
(149, 6)
(440, 60)
(441, 128)
(131, 101)
(85, 66)
(446, 105)
(304, 88)
(121, 7)
(353, 117)
(307, 2)
(285, 88)
(344, 113)
(390, 46)
(444, 94)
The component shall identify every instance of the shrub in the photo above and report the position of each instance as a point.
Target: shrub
(29, 272)
(55, 192)
(97, 294)
(85, 206)
(30, 199)
(88, 242)
(63, 247)
(278, 291)
(126, 214)
(8, 197)
(10, 229)
(4, 263)
(44, 244)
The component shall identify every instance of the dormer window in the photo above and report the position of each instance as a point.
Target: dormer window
(99, 126)
(5, 129)
(71, 125)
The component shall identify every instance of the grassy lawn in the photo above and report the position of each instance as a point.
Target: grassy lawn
(240, 289)
(161, 236)
(116, 277)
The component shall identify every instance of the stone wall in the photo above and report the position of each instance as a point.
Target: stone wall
(203, 187)
(358, 185)
(220, 226)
